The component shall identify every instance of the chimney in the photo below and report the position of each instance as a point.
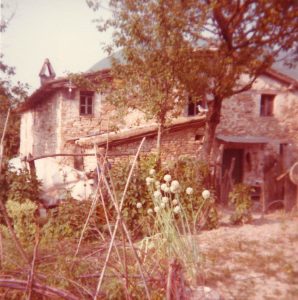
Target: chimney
(47, 72)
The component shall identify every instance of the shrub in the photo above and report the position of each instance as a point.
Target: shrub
(240, 199)
(137, 196)
(68, 219)
(22, 187)
(22, 215)
(195, 174)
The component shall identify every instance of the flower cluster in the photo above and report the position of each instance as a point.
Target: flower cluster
(165, 194)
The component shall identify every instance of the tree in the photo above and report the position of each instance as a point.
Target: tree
(210, 48)
(146, 78)
(243, 38)
(10, 96)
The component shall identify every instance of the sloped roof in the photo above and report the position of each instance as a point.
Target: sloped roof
(137, 133)
(248, 139)
(106, 63)
(279, 70)
(102, 68)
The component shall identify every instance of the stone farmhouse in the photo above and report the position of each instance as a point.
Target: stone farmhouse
(256, 141)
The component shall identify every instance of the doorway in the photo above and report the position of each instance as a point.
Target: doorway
(228, 156)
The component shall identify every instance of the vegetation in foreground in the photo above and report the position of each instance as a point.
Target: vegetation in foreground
(85, 250)
(158, 245)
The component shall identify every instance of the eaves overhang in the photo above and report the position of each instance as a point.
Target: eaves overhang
(52, 86)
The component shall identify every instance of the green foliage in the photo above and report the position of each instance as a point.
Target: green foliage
(136, 218)
(139, 197)
(21, 187)
(68, 219)
(20, 195)
(194, 173)
(18, 187)
(22, 215)
(10, 96)
(65, 221)
(200, 47)
(240, 198)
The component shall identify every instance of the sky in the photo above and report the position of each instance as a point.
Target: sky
(61, 30)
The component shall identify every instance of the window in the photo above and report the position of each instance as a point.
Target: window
(267, 105)
(86, 103)
(192, 107)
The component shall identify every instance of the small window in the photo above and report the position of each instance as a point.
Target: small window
(192, 107)
(86, 103)
(267, 105)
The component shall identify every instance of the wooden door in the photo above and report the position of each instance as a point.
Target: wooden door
(228, 155)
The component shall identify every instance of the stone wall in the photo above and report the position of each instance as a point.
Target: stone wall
(40, 128)
(241, 114)
(53, 125)
(173, 145)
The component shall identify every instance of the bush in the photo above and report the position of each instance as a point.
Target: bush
(22, 187)
(22, 215)
(240, 199)
(65, 221)
(139, 198)
(68, 219)
(195, 174)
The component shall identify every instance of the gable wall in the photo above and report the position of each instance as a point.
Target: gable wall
(40, 128)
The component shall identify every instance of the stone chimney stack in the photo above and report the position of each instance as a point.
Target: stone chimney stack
(47, 72)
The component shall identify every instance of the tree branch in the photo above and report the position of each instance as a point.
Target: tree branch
(38, 288)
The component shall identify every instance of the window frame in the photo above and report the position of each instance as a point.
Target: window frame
(267, 105)
(86, 105)
(192, 106)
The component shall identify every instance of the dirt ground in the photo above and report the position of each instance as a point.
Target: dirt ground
(253, 261)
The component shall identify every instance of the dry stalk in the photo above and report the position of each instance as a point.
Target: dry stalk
(93, 205)
(31, 273)
(86, 222)
(124, 227)
(2, 139)
(125, 267)
(175, 282)
(118, 209)
(1, 249)
(45, 290)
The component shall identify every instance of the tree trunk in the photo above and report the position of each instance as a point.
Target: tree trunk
(160, 131)
(213, 119)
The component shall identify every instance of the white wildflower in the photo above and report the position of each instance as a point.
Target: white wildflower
(163, 187)
(175, 189)
(189, 191)
(157, 184)
(152, 172)
(139, 205)
(149, 180)
(156, 209)
(206, 194)
(157, 194)
(175, 186)
(167, 189)
(175, 202)
(165, 200)
(176, 209)
(167, 178)
(162, 205)
(175, 183)
(149, 211)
